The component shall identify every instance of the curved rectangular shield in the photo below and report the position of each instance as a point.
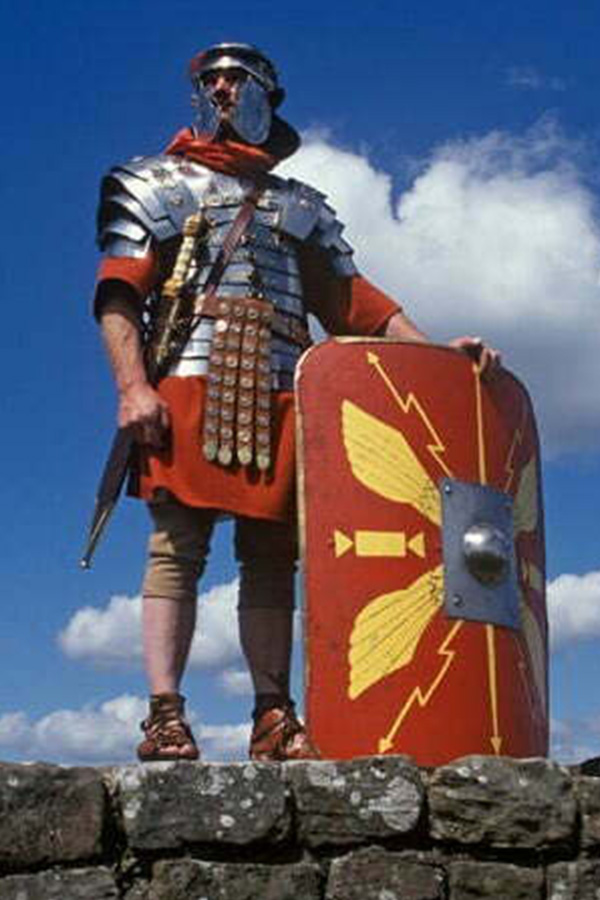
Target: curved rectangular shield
(423, 554)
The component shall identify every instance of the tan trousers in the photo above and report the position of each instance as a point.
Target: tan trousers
(267, 554)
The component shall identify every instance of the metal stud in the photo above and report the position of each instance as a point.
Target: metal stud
(244, 455)
(263, 461)
(225, 456)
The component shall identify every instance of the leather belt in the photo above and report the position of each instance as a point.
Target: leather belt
(281, 323)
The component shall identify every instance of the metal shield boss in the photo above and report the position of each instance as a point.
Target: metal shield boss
(422, 538)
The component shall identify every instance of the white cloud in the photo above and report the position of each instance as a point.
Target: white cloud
(236, 682)
(92, 734)
(529, 78)
(105, 635)
(496, 236)
(574, 608)
(573, 741)
(112, 634)
(224, 742)
(105, 734)
(216, 641)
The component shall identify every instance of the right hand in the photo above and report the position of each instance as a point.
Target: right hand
(142, 409)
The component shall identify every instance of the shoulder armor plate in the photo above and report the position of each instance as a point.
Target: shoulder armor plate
(305, 214)
(156, 192)
(300, 208)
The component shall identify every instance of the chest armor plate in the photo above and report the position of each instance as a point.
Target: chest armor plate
(264, 265)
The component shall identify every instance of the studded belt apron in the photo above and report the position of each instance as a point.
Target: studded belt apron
(237, 414)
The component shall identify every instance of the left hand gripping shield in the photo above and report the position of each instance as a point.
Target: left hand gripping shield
(422, 537)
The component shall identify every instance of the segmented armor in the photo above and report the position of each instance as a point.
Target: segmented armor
(147, 200)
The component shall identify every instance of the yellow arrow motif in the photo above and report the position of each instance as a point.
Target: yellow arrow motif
(341, 543)
(419, 696)
(490, 631)
(379, 543)
(495, 740)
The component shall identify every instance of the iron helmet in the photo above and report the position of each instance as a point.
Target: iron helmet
(258, 95)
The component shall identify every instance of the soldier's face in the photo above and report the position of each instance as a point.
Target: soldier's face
(223, 88)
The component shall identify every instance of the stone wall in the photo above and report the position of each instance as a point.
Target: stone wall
(376, 828)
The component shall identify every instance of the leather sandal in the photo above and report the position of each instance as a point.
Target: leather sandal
(167, 733)
(279, 736)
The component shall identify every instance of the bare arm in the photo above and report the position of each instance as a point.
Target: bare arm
(400, 326)
(140, 406)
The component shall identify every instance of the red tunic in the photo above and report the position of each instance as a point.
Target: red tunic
(350, 306)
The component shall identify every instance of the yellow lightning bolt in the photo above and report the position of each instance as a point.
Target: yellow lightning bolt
(437, 447)
(418, 696)
(517, 439)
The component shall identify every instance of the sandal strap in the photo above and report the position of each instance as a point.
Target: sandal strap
(166, 726)
(279, 735)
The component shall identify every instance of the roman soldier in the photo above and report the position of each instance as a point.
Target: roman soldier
(211, 265)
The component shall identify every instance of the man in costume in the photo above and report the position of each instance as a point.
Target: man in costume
(246, 256)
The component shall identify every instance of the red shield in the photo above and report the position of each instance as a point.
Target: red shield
(390, 668)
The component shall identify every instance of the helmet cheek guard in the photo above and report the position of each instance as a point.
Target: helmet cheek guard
(208, 115)
(252, 115)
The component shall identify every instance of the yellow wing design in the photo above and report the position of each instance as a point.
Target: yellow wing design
(387, 631)
(383, 461)
(525, 508)
(537, 651)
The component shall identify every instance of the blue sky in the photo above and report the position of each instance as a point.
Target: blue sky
(450, 137)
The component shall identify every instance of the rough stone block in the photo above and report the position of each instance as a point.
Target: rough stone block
(587, 791)
(579, 880)
(49, 815)
(377, 874)
(71, 884)
(171, 805)
(494, 881)
(502, 803)
(352, 801)
(184, 879)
